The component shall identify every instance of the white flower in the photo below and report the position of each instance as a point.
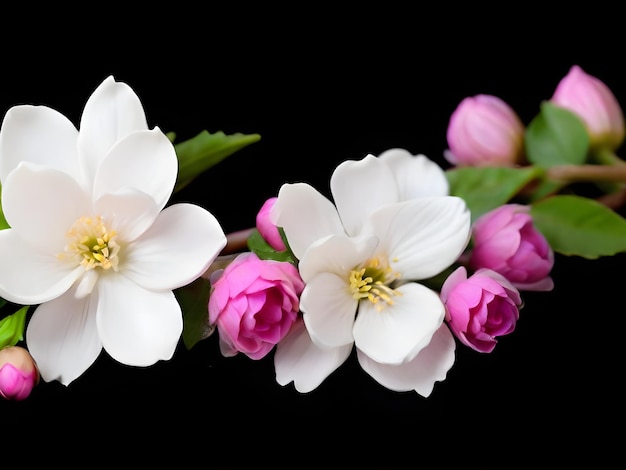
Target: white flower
(359, 259)
(416, 175)
(90, 240)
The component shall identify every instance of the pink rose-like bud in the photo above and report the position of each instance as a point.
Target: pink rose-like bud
(480, 308)
(507, 241)
(18, 373)
(592, 100)
(266, 228)
(254, 302)
(485, 131)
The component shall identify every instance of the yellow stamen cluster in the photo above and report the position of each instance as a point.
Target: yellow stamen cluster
(94, 245)
(371, 281)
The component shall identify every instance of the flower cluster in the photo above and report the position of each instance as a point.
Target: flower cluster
(438, 258)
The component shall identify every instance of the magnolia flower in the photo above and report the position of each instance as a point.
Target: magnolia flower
(485, 130)
(18, 373)
(481, 307)
(593, 102)
(506, 240)
(358, 258)
(254, 302)
(90, 240)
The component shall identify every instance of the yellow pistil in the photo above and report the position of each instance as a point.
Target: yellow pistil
(92, 244)
(372, 281)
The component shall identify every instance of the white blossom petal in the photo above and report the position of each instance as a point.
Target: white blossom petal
(37, 134)
(297, 359)
(422, 236)
(62, 337)
(138, 327)
(394, 334)
(429, 366)
(179, 247)
(361, 187)
(336, 254)
(30, 276)
(416, 175)
(305, 215)
(150, 165)
(329, 310)
(112, 111)
(133, 212)
(44, 216)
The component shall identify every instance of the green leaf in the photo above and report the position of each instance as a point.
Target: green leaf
(258, 245)
(556, 136)
(201, 152)
(194, 302)
(544, 188)
(576, 225)
(485, 188)
(12, 328)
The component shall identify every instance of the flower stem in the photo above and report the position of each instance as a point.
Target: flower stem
(605, 156)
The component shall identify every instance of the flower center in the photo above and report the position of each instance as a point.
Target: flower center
(372, 281)
(93, 244)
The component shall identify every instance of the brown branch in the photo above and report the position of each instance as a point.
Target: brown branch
(614, 200)
(571, 173)
(237, 241)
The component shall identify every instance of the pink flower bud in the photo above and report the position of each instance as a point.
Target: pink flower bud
(593, 101)
(485, 131)
(506, 241)
(254, 302)
(266, 228)
(18, 373)
(480, 308)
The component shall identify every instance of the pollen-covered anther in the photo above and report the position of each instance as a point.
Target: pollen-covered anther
(93, 244)
(373, 281)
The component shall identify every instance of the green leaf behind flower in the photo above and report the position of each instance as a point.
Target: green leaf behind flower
(194, 302)
(485, 188)
(556, 136)
(201, 152)
(12, 328)
(575, 225)
(258, 245)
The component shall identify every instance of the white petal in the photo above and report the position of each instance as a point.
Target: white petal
(305, 215)
(137, 327)
(40, 135)
(429, 366)
(336, 254)
(329, 310)
(394, 334)
(62, 337)
(422, 236)
(112, 111)
(179, 247)
(44, 216)
(86, 283)
(145, 160)
(30, 276)
(417, 175)
(361, 187)
(298, 360)
(133, 212)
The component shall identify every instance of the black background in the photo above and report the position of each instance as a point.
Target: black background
(321, 87)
